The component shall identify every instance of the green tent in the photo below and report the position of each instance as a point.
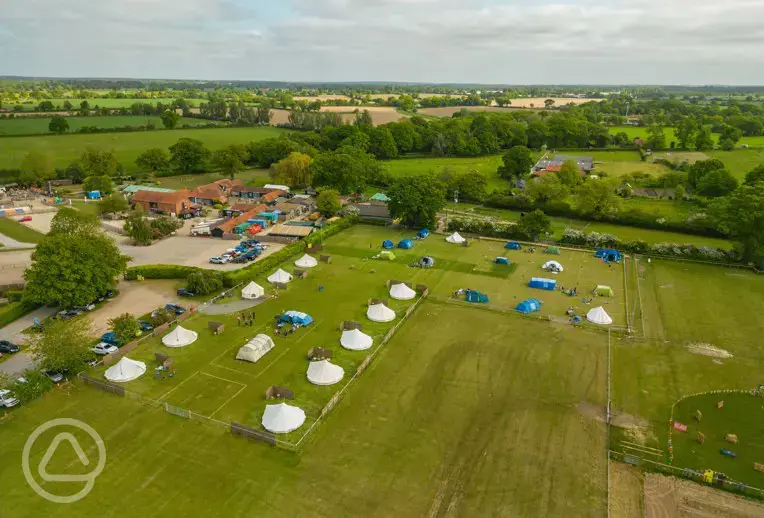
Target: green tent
(552, 250)
(385, 254)
(380, 197)
(604, 291)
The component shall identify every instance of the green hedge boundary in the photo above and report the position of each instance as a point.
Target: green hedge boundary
(14, 311)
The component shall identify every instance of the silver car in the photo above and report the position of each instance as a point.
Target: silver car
(103, 349)
(7, 399)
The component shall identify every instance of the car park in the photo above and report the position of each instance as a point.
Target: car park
(110, 338)
(8, 347)
(183, 292)
(178, 310)
(146, 326)
(68, 314)
(102, 349)
(7, 399)
(219, 259)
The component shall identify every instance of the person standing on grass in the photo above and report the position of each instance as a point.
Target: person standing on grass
(238, 320)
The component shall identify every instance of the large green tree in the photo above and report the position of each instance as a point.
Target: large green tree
(189, 155)
(570, 173)
(154, 160)
(170, 118)
(112, 204)
(596, 197)
(741, 215)
(347, 169)
(230, 160)
(535, 224)
(74, 264)
(102, 184)
(686, 130)
(97, 162)
(701, 168)
(293, 170)
(382, 144)
(547, 188)
(328, 202)
(703, 140)
(138, 227)
(755, 175)
(656, 137)
(35, 168)
(717, 183)
(58, 125)
(416, 200)
(64, 346)
(516, 163)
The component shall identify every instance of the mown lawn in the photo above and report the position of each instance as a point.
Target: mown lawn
(484, 164)
(63, 149)
(88, 207)
(15, 230)
(189, 181)
(39, 125)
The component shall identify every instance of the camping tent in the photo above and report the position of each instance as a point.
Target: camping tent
(387, 244)
(501, 260)
(280, 276)
(406, 243)
(456, 238)
(423, 233)
(306, 261)
(324, 372)
(598, 316)
(513, 245)
(355, 340)
(427, 262)
(125, 370)
(255, 348)
(179, 337)
(380, 313)
(608, 254)
(296, 317)
(252, 291)
(529, 306)
(402, 292)
(385, 254)
(476, 296)
(552, 266)
(282, 418)
(604, 291)
(542, 284)
(380, 196)
(552, 250)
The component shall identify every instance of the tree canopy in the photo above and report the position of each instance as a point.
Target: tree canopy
(741, 215)
(416, 200)
(328, 202)
(596, 197)
(189, 155)
(535, 224)
(64, 346)
(155, 160)
(293, 170)
(516, 163)
(58, 124)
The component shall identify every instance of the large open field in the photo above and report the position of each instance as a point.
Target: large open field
(39, 125)
(62, 149)
(466, 412)
(641, 132)
(379, 114)
(109, 103)
(484, 164)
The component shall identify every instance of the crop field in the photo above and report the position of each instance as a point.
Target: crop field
(63, 149)
(39, 125)
(379, 114)
(447, 420)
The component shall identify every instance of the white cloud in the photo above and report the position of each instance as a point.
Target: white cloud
(554, 41)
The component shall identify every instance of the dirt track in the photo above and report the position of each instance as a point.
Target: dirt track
(626, 493)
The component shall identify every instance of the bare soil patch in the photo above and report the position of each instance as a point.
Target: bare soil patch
(668, 497)
(136, 298)
(708, 350)
(626, 490)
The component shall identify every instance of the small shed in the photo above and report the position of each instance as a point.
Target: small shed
(216, 327)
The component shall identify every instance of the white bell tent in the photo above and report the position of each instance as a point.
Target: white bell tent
(380, 313)
(355, 340)
(125, 370)
(455, 238)
(599, 316)
(255, 348)
(282, 418)
(252, 291)
(324, 372)
(306, 261)
(402, 292)
(280, 276)
(179, 337)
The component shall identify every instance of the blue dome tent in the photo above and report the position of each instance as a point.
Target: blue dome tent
(542, 284)
(501, 260)
(529, 306)
(608, 254)
(513, 245)
(296, 317)
(406, 243)
(476, 296)
(387, 244)
(423, 233)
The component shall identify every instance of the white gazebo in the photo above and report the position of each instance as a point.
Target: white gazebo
(324, 372)
(125, 370)
(179, 337)
(255, 348)
(355, 340)
(402, 292)
(552, 266)
(280, 276)
(380, 313)
(455, 238)
(252, 291)
(283, 418)
(306, 261)
(598, 315)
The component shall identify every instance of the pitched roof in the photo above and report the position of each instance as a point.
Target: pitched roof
(271, 196)
(228, 184)
(242, 207)
(207, 192)
(229, 225)
(161, 197)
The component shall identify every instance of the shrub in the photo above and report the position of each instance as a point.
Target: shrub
(205, 282)
(36, 385)
(160, 271)
(15, 310)
(14, 295)
(162, 316)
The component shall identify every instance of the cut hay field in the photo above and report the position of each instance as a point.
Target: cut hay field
(379, 114)
(39, 125)
(63, 149)
(465, 412)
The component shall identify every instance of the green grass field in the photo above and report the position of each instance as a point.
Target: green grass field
(466, 411)
(88, 207)
(189, 181)
(15, 230)
(485, 164)
(108, 103)
(641, 132)
(39, 125)
(619, 163)
(63, 149)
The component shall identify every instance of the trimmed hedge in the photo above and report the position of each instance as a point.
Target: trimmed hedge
(160, 271)
(14, 295)
(14, 311)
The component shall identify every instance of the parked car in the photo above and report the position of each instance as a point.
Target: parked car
(8, 399)
(110, 338)
(183, 292)
(102, 349)
(145, 326)
(55, 376)
(68, 314)
(178, 310)
(25, 219)
(8, 347)
(218, 259)
(86, 307)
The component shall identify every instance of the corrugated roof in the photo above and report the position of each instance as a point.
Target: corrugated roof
(132, 189)
(229, 225)
(290, 230)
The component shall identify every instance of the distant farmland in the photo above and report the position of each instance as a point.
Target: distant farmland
(379, 114)
(39, 125)
(63, 149)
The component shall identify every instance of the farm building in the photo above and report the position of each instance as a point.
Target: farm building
(174, 203)
(207, 195)
(308, 202)
(132, 189)
(585, 163)
(375, 212)
(230, 226)
(296, 231)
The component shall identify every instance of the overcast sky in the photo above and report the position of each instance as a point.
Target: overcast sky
(466, 41)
